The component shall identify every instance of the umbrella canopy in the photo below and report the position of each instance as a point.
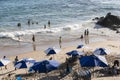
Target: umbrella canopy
(20, 64)
(93, 61)
(45, 66)
(29, 60)
(52, 51)
(80, 46)
(101, 51)
(74, 53)
(4, 62)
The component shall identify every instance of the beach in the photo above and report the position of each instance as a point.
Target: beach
(61, 24)
(112, 45)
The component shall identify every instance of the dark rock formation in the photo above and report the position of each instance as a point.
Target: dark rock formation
(110, 21)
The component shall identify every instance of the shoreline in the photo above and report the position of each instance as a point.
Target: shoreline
(26, 48)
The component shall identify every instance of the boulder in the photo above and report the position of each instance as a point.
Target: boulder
(110, 21)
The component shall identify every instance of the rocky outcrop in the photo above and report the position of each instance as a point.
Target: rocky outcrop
(110, 21)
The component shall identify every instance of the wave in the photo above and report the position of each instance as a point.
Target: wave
(77, 28)
(16, 34)
(106, 1)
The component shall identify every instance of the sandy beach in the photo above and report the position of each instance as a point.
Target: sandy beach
(112, 45)
(28, 28)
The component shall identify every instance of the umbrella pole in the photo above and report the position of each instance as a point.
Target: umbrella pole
(47, 76)
(1, 70)
(26, 71)
(53, 56)
(35, 76)
(93, 72)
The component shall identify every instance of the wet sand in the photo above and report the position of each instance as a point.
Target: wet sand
(10, 50)
(38, 55)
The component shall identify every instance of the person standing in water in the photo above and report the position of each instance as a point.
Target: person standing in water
(49, 23)
(33, 38)
(29, 22)
(34, 46)
(60, 41)
(19, 25)
(87, 36)
(19, 40)
(44, 26)
(81, 37)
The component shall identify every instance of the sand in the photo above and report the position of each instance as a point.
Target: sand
(113, 46)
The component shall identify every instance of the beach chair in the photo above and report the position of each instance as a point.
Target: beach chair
(84, 74)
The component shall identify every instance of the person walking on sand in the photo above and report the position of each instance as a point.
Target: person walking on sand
(60, 41)
(49, 23)
(34, 46)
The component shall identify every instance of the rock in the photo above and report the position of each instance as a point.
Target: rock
(110, 21)
(96, 18)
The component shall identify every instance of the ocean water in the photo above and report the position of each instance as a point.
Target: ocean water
(69, 19)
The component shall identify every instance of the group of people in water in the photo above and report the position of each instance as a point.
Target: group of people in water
(29, 23)
(34, 22)
(33, 37)
(85, 37)
(48, 25)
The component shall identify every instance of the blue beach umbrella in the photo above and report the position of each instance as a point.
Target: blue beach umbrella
(52, 51)
(20, 64)
(80, 46)
(29, 60)
(93, 61)
(45, 66)
(74, 53)
(4, 62)
(101, 51)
